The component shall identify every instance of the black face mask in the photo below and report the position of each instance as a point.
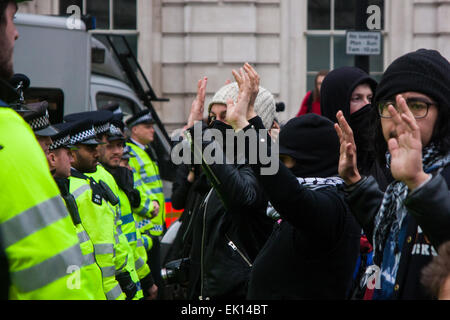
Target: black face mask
(361, 123)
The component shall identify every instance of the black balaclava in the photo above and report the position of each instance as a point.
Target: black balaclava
(336, 93)
(312, 141)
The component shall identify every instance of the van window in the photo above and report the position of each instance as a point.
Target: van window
(54, 97)
(128, 106)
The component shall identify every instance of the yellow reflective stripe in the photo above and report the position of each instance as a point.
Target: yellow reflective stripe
(48, 271)
(32, 220)
(139, 263)
(104, 248)
(114, 293)
(83, 236)
(108, 271)
(78, 192)
(88, 259)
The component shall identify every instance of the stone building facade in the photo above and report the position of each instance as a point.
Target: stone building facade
(180, 41)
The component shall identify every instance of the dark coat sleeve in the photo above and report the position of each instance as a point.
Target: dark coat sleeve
(320, 212)
(180, 187)
(430, 206)
(364, 200)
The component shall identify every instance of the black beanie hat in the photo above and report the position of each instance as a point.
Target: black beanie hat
(337, 89)
(423, 71)
(312, 141)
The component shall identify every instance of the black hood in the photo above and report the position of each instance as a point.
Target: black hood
(313, 142)
(337, 89)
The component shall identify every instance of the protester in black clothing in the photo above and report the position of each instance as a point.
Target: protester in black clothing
(313, 250)
(412, 218)
(351, 90)
(232, 225)
(312, 254)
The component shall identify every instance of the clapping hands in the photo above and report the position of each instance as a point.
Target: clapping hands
(240, 112)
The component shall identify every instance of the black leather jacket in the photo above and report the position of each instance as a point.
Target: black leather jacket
(230, 229)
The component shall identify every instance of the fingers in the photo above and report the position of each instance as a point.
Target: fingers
(404, 120)
(347, 131)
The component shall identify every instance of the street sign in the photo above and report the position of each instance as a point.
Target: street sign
(363, 43)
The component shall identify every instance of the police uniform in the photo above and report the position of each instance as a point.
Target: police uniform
(148, 181)
(126, 192)
(91, 267)
(97, 214)
(126, 272)
(37, 233)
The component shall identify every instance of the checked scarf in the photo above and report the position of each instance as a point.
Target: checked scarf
(392, 212)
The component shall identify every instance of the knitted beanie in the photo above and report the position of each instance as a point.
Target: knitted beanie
(423, 71)
(265, 106)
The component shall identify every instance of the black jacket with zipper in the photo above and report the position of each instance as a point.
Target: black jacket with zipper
(230, 229)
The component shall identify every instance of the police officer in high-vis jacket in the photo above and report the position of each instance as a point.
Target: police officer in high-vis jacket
(147, 179)
(126, 273)
(95, 206)
(59, 159)
(130, 201)
(37, 233)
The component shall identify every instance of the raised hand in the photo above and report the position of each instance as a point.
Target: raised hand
(198, 105)
(406, 147)
(248, 82)
(254, 78)
(348, 168)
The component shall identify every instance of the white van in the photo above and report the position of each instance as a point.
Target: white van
(76, 71)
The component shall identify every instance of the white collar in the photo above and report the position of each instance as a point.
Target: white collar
(138, 144)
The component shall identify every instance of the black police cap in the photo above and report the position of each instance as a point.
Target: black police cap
(100, 119)
(139, 118)
(62, 138)
(83, 132)
(36, 115)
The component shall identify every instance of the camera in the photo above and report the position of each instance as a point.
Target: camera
(176, 272)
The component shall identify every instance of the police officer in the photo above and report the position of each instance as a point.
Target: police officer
(147, 179)
(95, 205)
(130, 200)
(59, 159)
(126, 273)
(37, 234)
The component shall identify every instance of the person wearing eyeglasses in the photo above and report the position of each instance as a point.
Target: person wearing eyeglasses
(408, 222)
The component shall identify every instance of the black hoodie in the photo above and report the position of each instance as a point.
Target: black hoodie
(336, 93)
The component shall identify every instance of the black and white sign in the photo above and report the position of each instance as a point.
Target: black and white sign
(363, 43)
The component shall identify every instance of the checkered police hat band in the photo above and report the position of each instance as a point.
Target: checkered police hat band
(145, 118)
(40, 123)
(115, 131)
(102, 129)
(61, 142)
(83, 136)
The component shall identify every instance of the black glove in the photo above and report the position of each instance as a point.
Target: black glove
(123, 177)
(127, 284)
(146, 284)
(125, 181)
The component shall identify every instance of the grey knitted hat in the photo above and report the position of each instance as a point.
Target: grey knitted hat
(264, 105)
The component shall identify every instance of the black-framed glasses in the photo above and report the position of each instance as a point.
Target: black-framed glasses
(418, 107)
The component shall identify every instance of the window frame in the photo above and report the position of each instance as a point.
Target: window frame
(332, 33)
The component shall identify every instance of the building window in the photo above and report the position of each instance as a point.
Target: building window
(328, 21)
(112, 16)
